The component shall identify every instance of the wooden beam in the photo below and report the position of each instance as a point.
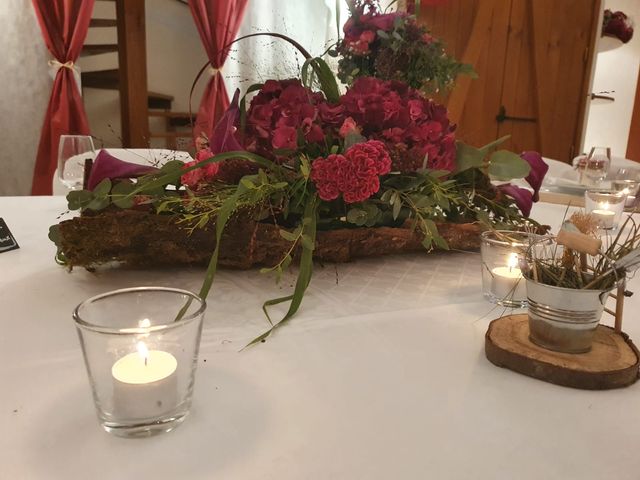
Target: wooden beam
(132, 59)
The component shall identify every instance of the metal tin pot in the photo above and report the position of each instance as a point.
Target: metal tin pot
(563, 319)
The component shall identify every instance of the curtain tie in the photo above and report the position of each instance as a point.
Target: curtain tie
(55, 65)
(214, 71)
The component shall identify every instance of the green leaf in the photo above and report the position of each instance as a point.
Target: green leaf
(305, 167)
(357, 216)
(78, 199)
(494, 144)
(352, 139)
(225, 212)
(54, 234)
(505, 165)
(103, 188)
(396, 209)
(325, 77)
(120, 195)
(468, 157)
(289, 236)
(247, 183)
(304, 274)
(306, 242)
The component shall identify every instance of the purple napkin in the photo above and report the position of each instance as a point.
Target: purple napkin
(107, 166)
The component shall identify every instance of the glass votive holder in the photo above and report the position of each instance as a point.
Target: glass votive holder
(628, 187)
(140, 348)
(502, 253)
(606, 206)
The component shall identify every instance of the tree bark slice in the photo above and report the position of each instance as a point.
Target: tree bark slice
(612, 362)
(140, 238)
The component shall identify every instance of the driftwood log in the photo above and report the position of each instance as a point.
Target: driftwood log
(143, 239)
(612, 362)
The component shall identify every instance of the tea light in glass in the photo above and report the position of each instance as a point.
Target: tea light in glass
(141, 348)
(502, 280)
(606, 206)
(628, 187)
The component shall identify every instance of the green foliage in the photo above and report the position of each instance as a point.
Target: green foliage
(505, 165)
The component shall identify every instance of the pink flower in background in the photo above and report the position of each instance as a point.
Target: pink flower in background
(348, 126)
(200, 175)
(193, 178)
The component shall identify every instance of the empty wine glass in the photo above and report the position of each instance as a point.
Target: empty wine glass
(73, 150)
(596, 166)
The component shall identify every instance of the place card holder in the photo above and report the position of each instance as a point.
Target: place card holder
(7, 240)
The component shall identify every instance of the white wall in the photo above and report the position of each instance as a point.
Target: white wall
(25, 91)
(616, 70)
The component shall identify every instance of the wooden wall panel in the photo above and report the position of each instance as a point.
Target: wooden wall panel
(633, 147)
(533, 57)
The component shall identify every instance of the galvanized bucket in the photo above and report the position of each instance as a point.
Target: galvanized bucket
(563, 319)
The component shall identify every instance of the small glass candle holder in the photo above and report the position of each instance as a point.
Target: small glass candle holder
(502, 253)
(595, 167)
(628, 187)
(606, 206)
(140, 348)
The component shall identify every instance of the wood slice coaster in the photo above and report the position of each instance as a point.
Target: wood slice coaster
(612, 362)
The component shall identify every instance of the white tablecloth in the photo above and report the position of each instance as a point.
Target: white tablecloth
(382, 375)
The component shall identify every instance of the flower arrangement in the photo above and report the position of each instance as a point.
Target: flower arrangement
(393, 46)
(309, 160)
(617, 24)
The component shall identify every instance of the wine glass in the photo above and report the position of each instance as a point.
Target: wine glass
(73, 150)
(597, 166)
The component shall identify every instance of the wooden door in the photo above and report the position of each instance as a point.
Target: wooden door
(534, 62)
(633, 146)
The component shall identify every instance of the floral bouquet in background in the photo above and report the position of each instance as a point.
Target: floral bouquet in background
(617, 24)
(394, 46)
(300, 171)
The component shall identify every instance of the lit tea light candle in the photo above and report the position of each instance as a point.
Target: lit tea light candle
(144, 383)
(508, 282)
(604, 216)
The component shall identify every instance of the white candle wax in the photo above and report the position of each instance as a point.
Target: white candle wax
(507, 282)
(144, 384)
(604, 217)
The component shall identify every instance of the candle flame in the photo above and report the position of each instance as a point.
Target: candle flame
(513, 260)
(143, 351)
(144, 323)
(605, 206)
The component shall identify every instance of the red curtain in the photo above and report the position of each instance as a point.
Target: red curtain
(64, 25)
(218, 22)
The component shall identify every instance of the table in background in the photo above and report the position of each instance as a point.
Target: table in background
(381, 375)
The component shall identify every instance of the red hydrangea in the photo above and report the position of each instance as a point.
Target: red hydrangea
(282, 113)
(355, 175)
(399, 116)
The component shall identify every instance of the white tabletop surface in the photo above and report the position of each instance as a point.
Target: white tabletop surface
(382, 375)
